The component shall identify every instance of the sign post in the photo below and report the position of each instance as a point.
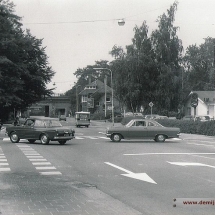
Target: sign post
(151, 105)
(194, 102)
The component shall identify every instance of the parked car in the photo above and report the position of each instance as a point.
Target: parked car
(129, 114)
(62, 117)
(152, 116)
(45, 130)
(188, 117)
(138, 114)
(142, 129)
(203, 118)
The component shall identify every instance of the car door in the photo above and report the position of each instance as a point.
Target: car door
(138, 130)
(153, 129)
(28, 129)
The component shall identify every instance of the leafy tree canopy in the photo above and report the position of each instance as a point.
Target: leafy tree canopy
(24, 70)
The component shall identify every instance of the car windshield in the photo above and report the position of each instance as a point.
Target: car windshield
(52, 123)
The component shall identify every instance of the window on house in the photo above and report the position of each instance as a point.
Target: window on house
(84, 98)
(107, 99)
(97, 103)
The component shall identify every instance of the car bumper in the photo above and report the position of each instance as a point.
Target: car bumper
(63, 137)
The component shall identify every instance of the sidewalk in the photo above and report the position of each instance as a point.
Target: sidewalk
(56, 196)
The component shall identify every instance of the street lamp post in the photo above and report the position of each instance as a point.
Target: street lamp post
(111, 90)
(77, 100)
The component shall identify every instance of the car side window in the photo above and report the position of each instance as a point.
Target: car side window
(140, 123)
(29, 122)
(151, 124)
(39, 123)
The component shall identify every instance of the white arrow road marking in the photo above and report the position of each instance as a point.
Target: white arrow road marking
(139, 176)
(189, 164)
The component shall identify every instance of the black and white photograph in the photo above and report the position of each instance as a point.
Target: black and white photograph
(107, 107)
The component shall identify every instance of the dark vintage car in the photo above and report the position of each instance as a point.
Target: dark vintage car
(142, 129)
(45, 130)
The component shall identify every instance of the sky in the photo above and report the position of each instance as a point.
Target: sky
(76, 33)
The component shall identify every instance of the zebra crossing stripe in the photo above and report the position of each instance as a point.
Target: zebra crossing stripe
(45, 167)
(4, 169)
(50, 173)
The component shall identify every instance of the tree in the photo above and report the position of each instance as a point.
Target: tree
(168, 49)
(24, 70)
(199, 66)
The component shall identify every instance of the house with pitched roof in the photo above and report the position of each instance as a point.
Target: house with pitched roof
(206, 104)
(93, 98)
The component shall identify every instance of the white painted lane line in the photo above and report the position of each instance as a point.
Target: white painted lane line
(46, 167)
(50, 173)
(26, 149)
(3, 159)
(34, 156)
(4, 164)
(4, 169)
(41, 163)
(37, 159)
(174, 153)
(190, 164)
(2, 156)
(22, 145)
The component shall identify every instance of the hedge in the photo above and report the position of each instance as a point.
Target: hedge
(191, 127)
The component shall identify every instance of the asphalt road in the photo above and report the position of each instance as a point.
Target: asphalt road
(130, 177)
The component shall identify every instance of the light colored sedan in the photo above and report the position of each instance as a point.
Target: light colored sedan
(142, 129)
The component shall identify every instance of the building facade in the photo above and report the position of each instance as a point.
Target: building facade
(53, 106)
(93, 98)
(206, 104)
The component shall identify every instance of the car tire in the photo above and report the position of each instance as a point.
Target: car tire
(31, 141)
(116, 137)
(160, 138)
(62, 142)
(14, 138)
(44, 139)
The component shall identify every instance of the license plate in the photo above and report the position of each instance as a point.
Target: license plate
(66, 135)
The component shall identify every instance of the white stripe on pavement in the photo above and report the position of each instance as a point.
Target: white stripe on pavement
(37, 159)
(4, 169)
(50, 173)
(46, 167)
(41, 163)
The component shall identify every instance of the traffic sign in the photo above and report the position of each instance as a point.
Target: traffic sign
(151, 104)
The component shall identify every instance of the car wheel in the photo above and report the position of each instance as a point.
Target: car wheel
(14, 138)
(44, 139)
(116, 137)
(31, 141)
(160, 138)
(62, 142)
